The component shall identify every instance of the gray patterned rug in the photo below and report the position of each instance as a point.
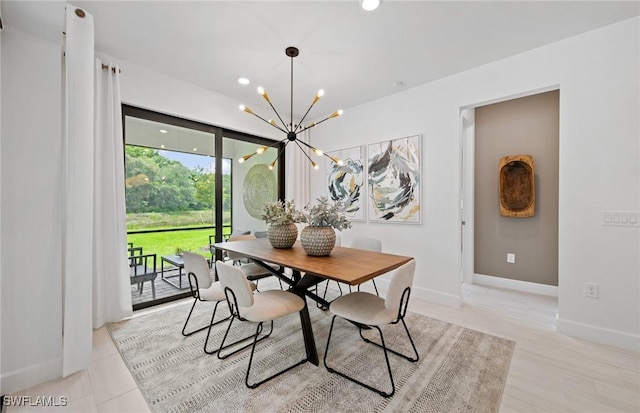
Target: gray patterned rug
(459, 370)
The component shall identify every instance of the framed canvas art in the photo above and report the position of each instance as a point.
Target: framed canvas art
(394, 180)
(346, 182)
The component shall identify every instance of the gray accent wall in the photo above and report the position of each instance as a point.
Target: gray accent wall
(528, 125)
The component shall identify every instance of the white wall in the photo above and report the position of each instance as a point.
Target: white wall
(597, 74)
(31, 179)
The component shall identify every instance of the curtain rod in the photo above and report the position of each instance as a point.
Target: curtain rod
(113, 69)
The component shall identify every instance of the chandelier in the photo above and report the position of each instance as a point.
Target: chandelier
(291, 130)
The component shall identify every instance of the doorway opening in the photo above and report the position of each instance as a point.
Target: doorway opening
(506, 258)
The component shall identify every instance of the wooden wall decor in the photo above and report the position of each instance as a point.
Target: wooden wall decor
(517, 190)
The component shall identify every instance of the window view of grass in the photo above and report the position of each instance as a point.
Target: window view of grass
(163, 193)
(166, 243)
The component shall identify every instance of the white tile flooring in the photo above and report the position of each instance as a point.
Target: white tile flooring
(549, 372)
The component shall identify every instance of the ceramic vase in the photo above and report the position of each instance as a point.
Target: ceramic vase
(318, 241)
(283, 235)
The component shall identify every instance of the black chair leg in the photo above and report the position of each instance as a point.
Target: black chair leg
(208, 326)
(211, 324)
(195, 300)
(224, 339)
(324, 296)
(386, 356)
(376, 287)
(412, 359)
(253, 348)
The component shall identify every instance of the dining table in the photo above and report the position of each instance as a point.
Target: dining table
(302, 271)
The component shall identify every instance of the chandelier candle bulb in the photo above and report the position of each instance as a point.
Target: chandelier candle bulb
(246, 109)
(318, 96)
(264, 94)
(244, 158)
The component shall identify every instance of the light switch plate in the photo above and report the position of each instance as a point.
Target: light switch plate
(621, 218)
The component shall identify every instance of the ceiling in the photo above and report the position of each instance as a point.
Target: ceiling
(354, 55)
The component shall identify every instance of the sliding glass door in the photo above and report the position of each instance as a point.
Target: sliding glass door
(185, 190)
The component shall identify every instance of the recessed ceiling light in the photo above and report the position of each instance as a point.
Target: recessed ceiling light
(369, 5)
(162, 146)
(243, 81)
(163, 131)
(195, 149)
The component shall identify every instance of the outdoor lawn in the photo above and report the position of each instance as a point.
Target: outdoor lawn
(168, 242)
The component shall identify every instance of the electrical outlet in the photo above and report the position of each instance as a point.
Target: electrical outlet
(511, 258)
(591, 290)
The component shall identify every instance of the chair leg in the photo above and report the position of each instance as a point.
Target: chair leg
(211, 324)
(153, 288)
(324, 296)
(412, 359)
(195, 300)
(374, 286)
(224, 339)
(253, 348)
(386, 356)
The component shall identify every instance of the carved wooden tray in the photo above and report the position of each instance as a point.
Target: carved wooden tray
(517, 190)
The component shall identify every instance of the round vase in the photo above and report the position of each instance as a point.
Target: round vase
(318, 241)
(282, 236)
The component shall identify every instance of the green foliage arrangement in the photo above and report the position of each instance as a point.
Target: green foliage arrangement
(279, 212)
(325, 214)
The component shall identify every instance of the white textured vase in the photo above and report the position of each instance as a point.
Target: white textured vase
(282, 236)
(318, 241)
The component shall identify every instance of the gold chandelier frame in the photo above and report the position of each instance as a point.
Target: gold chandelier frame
(291, 130)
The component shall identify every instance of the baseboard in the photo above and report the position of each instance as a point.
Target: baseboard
(517, 285)
(598, 334)
(17, 380)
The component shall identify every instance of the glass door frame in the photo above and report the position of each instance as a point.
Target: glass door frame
(218, 134)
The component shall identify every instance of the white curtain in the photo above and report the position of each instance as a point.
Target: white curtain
(111, 286)
(298, 168)
(77, 198)
(95, 275)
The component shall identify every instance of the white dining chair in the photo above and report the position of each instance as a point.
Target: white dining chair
(366, 310)
(203, 289)
(257, 307)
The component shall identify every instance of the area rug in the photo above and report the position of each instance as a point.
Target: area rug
(460, 370)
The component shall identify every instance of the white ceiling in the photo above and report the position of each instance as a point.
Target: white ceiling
(354, 55)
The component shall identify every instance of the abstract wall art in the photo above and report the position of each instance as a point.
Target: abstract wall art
(346, 182)
(394, 180)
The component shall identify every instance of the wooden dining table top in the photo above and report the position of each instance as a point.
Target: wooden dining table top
(348, 265)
